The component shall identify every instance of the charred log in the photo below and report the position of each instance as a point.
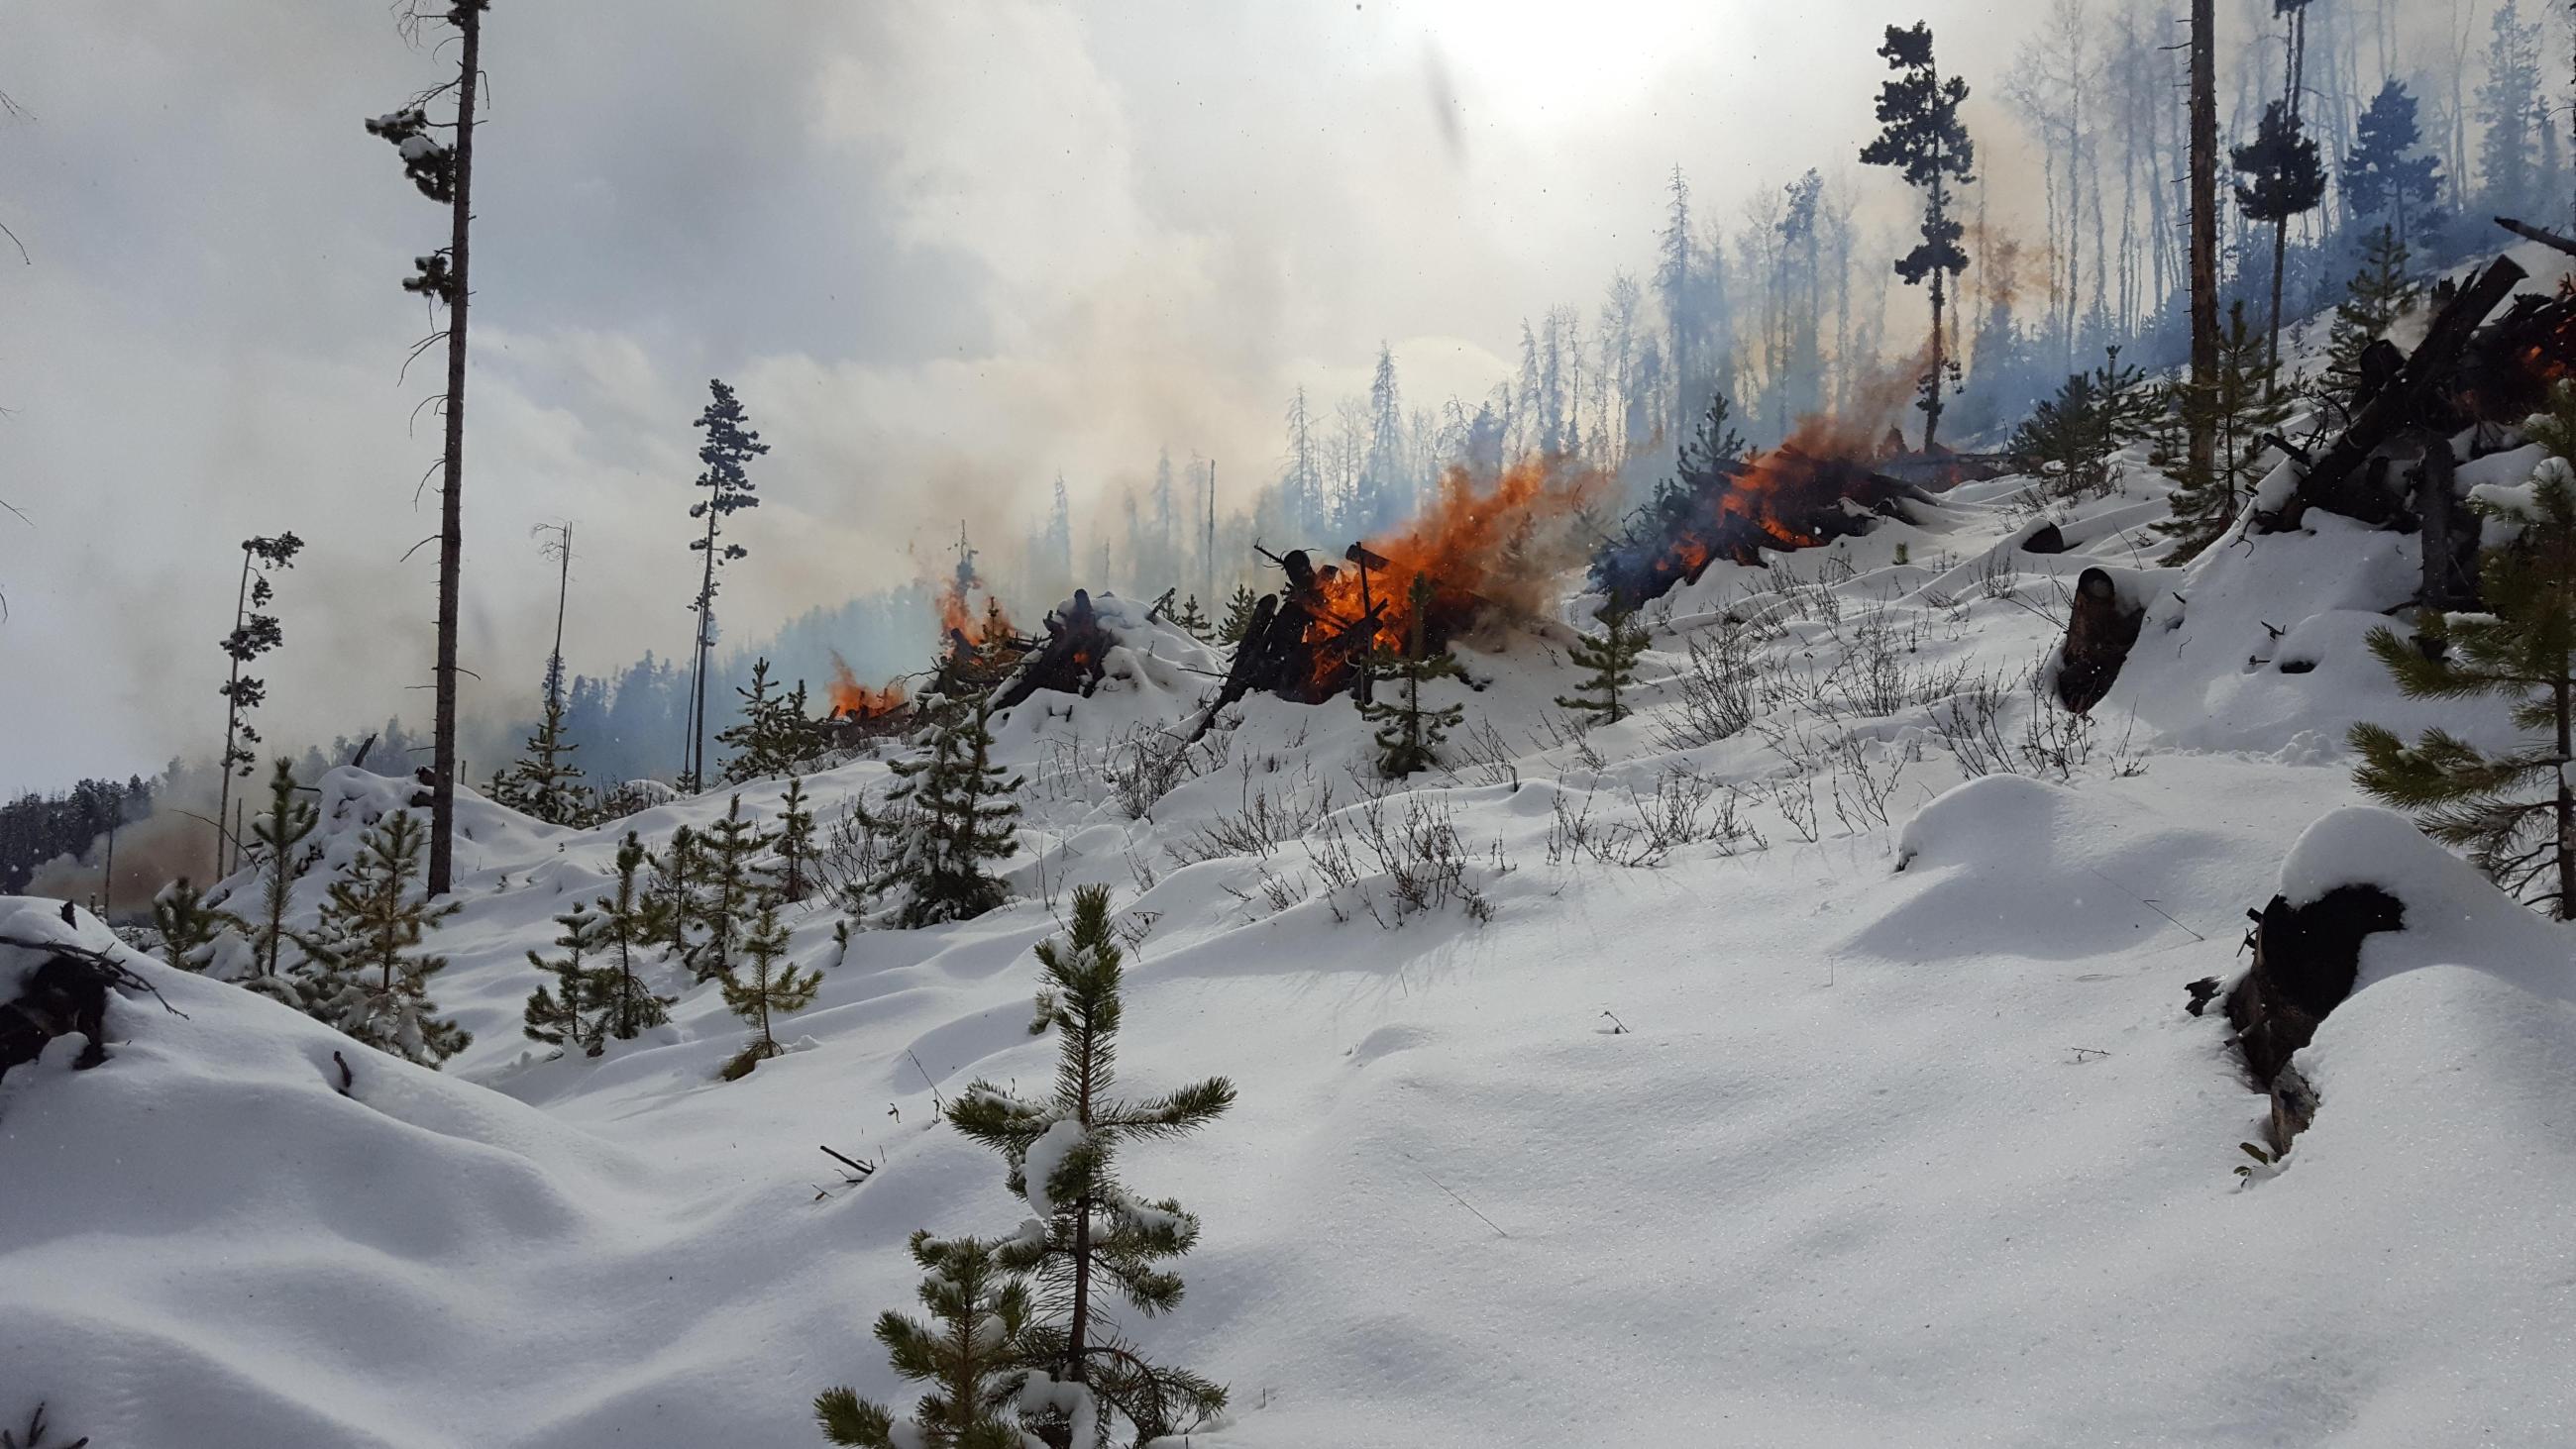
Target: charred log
(2100, 631)
(2414, 395)
(1070, 661)
(2450, 534)
(64, 995)
(2305, 960)
(2540, 234)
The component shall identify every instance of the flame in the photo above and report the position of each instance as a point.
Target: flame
(853, 700)
(1481, 547)
(959, 616)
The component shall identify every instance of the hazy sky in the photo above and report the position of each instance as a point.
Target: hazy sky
(943, 248)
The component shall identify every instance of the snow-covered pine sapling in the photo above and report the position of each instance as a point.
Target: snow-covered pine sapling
(254, 634)
(546, 784)
(731, 885)
(767, 985)
(1192, 619)
(775, 736)
(667, 918)
(797, 852)
(369, 977)
(278, 853)
(188, 926)
(1610, 663)
(2513, 811)
(1091, 1239)
(626, 1006)
(1409, 737)
(960, 812)
(972, 1353)
(564, 1014)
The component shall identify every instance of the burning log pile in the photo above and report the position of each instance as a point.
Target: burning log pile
(861, 713)
(1802, 494)
(1490, 555)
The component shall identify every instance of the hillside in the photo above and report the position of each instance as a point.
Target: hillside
(1824, 1082)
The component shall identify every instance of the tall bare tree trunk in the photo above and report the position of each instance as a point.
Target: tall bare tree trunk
(695, 754)
(563, 590)
(2204, 235)
(451, 514)
(232, 722)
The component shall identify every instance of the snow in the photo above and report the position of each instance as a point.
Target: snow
(1045, 1156)
(1908, 1138)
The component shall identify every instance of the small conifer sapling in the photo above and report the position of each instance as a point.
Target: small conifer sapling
(972, 1354)
(1091, 1240)
(370, 979)
(767, 985)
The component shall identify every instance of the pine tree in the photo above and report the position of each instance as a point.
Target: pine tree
(730, 445)
(795, 841)
(770, 985)
(367, 977)
(625, 1004)
(188, 926)
(2523, 650)
(665, 917)
(2246, 406)
(2071, 438)
(1409, 736)
(1612, 664)
(253, 635)
(973, 1353)
(443, 171)
(1238, 615)
(775, 736)
(1092, 1238)
(562, 1014)
(2383, 177)
(731, 883)
(1921, 135)
(546, 784)
(955, 814)
(2284, 179)
(2379, 294)
(2066, 439)
(1191, 620)
(279, 855)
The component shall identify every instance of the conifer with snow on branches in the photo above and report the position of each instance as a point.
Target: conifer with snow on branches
(959, 811)
(1090, 1239)
(973, 1354)
(731, 884)
(766, 985)
(367, 975)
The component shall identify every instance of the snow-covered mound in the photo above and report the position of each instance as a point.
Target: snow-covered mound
(1799, 1060)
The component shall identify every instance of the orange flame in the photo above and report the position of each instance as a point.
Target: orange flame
(853, 700)
(1480, 548)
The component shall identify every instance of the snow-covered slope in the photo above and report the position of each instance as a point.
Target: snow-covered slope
(1870, 1117)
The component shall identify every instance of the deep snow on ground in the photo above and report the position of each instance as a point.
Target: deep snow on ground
(1895, 1135)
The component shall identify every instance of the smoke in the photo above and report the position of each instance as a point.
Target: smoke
(176, 840)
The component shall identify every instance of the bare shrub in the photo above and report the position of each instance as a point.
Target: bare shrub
(1263, 822)
(1718, 692)
(1970, 726)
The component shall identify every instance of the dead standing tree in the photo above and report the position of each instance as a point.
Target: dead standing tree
(444, 172)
